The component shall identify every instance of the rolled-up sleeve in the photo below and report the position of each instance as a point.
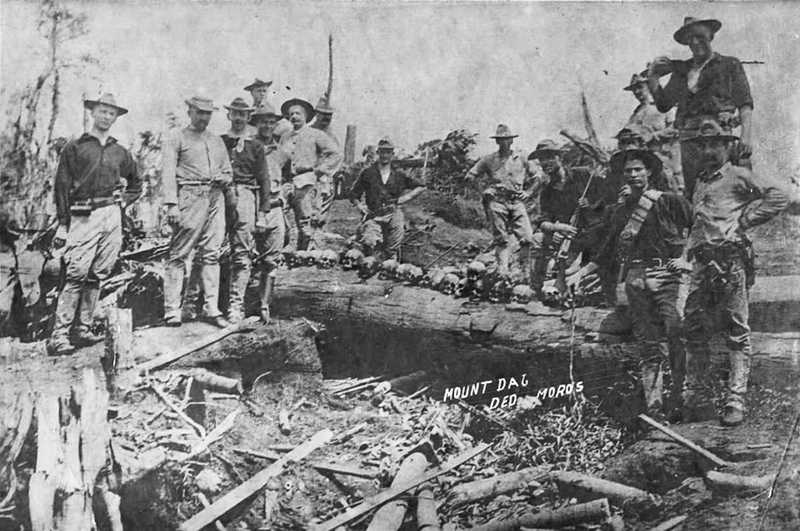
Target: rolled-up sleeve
(63, 182)
(740, 86)
(130, 173)
(768, 199)
(169, 165)
(667, 97)
(329, 157)
(477, 170)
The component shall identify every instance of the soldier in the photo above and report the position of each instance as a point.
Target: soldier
(309, 156)
(196, 172)
(322, 121)
(657, 130)
(383, 224)
(252, 186)
(259, 90)
(707, 86)
(271, 225)
(504, 199)
(647, 234)
(92, 173)
(728, 200)
(566, 190)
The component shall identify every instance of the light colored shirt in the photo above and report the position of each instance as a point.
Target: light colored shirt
(385, 171)
(193, 156)
(509, 173)
(730, 201)
(310, 150)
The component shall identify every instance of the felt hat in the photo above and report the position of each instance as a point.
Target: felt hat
(636, 80)
(631, 134)
(503, 131)
(201, 104)
(265, 109)
(682, 34)
(712, 129)
(257, 83)
(238, 104)
(298, 101)
(323, 106)
(545, 146)
(385, 144)
(105, 99)
(650, 159)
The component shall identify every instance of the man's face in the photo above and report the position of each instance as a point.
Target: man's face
(259, 93)
(385, 155)
(629, 142)
(297, 115)
(641, 92)
(104, 116)
(324, 119)
(637, 174)
(714, 152)
(238, 119)
(266, 125)
(549, 163)
(199, 119)
(504, 143)
(700, 37)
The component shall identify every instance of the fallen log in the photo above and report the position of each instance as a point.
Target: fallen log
(230, 500)
(670, 524)
(722, 481)
(592, 512)
(13, 430)
(390, 516)
(588, 488)
(215, 382)
(400, 383)
(393, 492)
(206, 503)
(491, 487)
(685, 442)
(427, 520)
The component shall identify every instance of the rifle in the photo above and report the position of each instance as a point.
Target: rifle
(595, 152)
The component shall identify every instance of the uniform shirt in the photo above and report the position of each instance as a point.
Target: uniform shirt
(249, 164)
(559, 199)
(88, 170)
(660, 236)
(721, 87)
(193, 156)
(272, 157)
(327, 131)
(378, 195)
(310, 149)
(647, 118)
(507, 173)
(731, 200)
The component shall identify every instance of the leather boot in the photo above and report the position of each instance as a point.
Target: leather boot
(240, 277)
(210, 280)
(733, 414)
(173, 284)
(503, 253)
(525, 263)
(652, 385)
(267, 287)
(538, 271)
(83, 334)
(193, 290)
(58, 344)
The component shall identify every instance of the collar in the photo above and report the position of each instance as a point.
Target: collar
(85, 137)
(721, 171)
(243, 134)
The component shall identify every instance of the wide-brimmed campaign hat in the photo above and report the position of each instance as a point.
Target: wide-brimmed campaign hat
(257, 83)
(545, 146)
(238, 104)
(636, 80)
(201, 104)
(298, 101)
(712, 129)
(650, 159)
(324, 106)
(105, 99)
(503, 131)
(630, 134)
(264, 109)
(384, 144)
(681, 35)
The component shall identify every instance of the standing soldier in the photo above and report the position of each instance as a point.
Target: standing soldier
(647, 235)
(258, 90)
(310, 157)
(504, 199)
(252, 188)
(657, 129)
(382, 186)
(92, 173)
(271, 225)
(322, 121)
(728, 200)
(196, 172)
(707, 86)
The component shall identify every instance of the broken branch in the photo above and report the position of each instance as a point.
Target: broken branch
(490, 487)
(583, 513)
(685, 442)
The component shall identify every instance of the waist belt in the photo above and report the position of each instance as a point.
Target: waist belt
(647, 262)
(506, 195)
(248, 185)
(195, 183)
(95, 202)
(717, 253)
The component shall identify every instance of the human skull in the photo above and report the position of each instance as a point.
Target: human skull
(279, 262)
(500, 291)
(478, 290)
(328, 259)
(352, 259)
(550, 293)
(369, 266)
(432, 278)
(293, 259)
(313, 257)
(475, 271)
(413, 275)
(522, 294)
(463, 288)
(389, 269)
(449, 284)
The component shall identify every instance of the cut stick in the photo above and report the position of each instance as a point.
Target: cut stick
(233, 498)
(206, 503)
(215, 382)
(670, 524)
(427, 520)
(686, 442)
(589, 488)
(734, 482)
(393, 492)
(170, 357)
(491, 487)
(390, 516)
(183, 416)
(322, 467)
(349, 385)
(583, 513)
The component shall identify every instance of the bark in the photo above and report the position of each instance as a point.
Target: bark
(596, 511)
(494, 486)
(427, 520)
(587, 488)
(390, 516)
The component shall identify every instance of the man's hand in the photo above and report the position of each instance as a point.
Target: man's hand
(173, 214)
(744, 150)
(583, 203)
(362, 207)
(624, 193)
(678, 265)
(565, 229)
(524, 196)
(60, 238)
(660, 66)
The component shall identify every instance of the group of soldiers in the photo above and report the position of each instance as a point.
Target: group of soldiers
(675, 198)
(668, 215)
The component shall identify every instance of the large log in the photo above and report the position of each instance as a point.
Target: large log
(496, 485)
(390, 516)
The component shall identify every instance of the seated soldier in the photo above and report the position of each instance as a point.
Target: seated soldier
(382, 186)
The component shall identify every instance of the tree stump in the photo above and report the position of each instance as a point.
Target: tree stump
(119, 342)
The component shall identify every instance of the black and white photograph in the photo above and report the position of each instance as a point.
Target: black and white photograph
(428, 265)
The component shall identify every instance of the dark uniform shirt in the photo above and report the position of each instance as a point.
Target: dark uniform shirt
(721, 87)
(660, 236)
(89, 170)
(248, 161)
(558, 204)
(379, 196)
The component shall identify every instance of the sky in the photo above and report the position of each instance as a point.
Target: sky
(413, 70)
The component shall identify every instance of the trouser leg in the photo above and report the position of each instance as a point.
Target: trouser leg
(209, 243)
(242, 248)
(539, 244)
(304, 205)
(699, 327)
(738, 337)
(498, 215)
(393, 232)
(691, 166)
(521, 226)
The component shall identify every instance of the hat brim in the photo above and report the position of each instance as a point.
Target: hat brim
(254, 117)
(310, 112)
(91, 104)
(650, 159)
(504, 136)
(680, 36)
(535, 154)
(634, 85)
(205, 108)
(722, 136)
(252, 86)
(245, 109)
